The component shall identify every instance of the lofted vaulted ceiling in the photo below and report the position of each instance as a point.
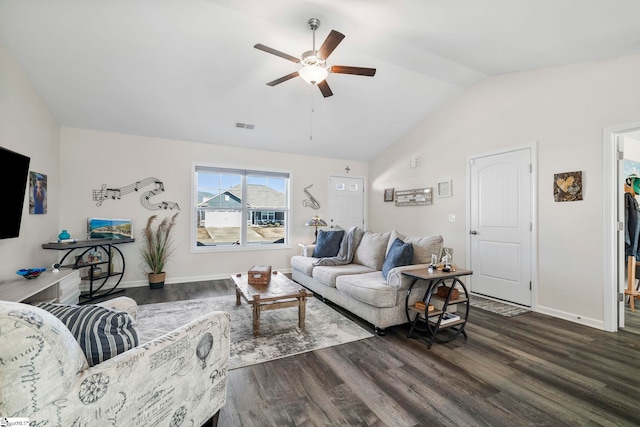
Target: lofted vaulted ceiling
(187, 69)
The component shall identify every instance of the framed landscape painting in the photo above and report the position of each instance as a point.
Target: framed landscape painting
(109, 228)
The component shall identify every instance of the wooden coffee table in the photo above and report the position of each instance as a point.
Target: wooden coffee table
(281, 292)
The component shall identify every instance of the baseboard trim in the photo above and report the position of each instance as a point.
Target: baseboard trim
(572, 317)
(185, 279)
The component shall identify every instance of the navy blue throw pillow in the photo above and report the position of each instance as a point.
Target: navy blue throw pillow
(328, 243)
(400, 253)
(102, 332)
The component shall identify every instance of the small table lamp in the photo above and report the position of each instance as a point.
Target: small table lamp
(316, 222)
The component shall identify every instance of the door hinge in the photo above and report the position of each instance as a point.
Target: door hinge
(529, 285)
(620, 297)
(530, 226)
(620, 226)
(530, 168)
(620, 155)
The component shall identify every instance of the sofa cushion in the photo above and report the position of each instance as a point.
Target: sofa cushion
(102, 332)
(328, 243)
(400, 254)
(423, 247)
(372, 250)
(327, 274)
(369, 288)
(303, 264)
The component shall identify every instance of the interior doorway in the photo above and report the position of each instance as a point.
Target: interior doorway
(614, 139)
(629, 145)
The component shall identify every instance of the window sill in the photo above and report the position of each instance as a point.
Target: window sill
(238, 248)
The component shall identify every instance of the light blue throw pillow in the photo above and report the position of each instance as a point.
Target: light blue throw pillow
(400, 254)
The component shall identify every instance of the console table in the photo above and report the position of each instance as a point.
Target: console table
(62, 286)
(99, 270)
(423, 320)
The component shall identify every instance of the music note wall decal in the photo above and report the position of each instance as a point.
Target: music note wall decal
(105, 193)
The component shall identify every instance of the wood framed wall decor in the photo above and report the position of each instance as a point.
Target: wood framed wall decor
(388, 195)
(415, 197)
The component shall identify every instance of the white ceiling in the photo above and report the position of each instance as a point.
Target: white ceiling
(187, 69)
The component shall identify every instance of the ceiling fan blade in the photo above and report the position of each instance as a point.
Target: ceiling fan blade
(283, 79)
(324, 88)
(360, 71)
(276, 53)
(331, 42)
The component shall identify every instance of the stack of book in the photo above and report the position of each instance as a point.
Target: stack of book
(446, 318)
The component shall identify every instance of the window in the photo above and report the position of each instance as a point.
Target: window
(240, 208)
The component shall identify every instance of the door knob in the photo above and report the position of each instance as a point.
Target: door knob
(474, 232)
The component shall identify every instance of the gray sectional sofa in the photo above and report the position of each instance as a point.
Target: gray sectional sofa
(357, 283)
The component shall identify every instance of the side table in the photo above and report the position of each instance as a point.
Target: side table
(430, 322)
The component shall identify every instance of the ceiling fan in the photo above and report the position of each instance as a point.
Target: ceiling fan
(314, 67)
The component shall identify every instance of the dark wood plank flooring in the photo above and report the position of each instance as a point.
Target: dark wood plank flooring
(522, 371)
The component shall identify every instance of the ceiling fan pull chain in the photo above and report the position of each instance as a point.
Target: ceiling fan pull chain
(311, 125)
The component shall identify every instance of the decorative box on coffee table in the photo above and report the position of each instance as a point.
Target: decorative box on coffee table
(259, 275)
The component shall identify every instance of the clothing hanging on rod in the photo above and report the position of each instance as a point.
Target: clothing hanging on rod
(632, 217)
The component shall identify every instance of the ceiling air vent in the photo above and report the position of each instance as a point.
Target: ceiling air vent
(245, 126)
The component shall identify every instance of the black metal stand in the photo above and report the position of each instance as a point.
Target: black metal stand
(429, 323)
(98, 279)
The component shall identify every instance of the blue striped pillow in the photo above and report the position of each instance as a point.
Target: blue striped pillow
(102, 332)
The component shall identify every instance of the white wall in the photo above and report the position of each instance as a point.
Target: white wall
(27, 127)
(90, 159)
(564, 109)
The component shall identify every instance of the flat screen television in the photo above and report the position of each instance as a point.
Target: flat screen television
(14, 175)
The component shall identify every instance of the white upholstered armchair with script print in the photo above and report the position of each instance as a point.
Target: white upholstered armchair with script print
(179, 379)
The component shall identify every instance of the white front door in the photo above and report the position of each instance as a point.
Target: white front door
(500, 202)
(346, 202)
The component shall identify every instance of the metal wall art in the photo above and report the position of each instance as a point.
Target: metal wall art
(116, 193)
(311, 202)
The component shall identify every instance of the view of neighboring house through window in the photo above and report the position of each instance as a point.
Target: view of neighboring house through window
(240, 207)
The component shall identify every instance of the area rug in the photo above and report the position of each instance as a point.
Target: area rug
(279, 332)
(506, 310)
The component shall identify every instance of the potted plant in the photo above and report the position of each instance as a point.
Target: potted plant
(157, 248)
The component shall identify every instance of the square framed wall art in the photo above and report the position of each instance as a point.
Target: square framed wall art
(444, 188)
(567, 186)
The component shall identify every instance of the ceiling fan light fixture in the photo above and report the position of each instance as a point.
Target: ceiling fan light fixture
(313, 74)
